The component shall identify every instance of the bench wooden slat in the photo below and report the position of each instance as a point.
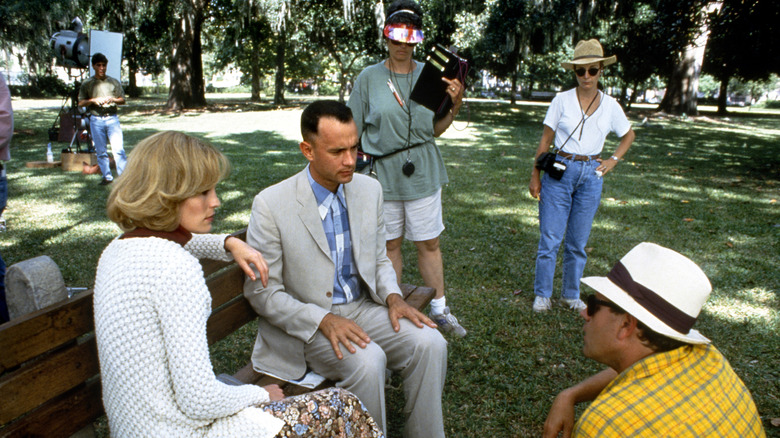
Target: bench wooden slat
(212, 266)
(418, 296)
(226, 286)
(229, 319)
(63, 416)
(34, 334)
(31, 386)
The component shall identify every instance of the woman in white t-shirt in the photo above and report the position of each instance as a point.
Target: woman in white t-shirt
(578, 122)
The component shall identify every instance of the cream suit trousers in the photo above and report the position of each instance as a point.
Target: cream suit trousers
(418, 354)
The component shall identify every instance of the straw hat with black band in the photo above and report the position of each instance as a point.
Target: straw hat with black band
(660, 287)
(588, 52)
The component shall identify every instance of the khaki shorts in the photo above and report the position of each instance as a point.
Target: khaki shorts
(417, 220)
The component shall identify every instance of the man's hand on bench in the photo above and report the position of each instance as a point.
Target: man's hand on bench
(245, 255)
(397, 308)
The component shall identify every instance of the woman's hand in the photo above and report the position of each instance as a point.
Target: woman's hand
(535, 186)
(275, 393)
(245, 256)
(606, 166)
(455, 90)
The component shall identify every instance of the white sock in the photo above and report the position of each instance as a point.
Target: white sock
(438, 305)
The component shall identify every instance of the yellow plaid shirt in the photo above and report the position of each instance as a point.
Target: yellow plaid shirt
(691, 391)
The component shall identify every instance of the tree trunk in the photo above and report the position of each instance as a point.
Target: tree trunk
(132, 85)
(198, 83)
(634, 94)
(514, 64)
(187, 86)
(255, 59)
(683, 85)
(280, 56)
(343, 85)
(723, 97)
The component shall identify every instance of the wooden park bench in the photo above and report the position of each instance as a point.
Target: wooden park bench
(49, 370)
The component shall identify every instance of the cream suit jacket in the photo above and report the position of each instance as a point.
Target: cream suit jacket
(286, 228)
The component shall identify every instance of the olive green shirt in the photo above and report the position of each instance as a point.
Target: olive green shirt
(385, 126)
(94, 87)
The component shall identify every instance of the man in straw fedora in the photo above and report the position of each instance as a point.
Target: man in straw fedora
(665, 379)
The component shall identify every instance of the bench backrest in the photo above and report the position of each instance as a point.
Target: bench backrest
(49, 370)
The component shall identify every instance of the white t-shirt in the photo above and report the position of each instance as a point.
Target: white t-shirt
(565, 113)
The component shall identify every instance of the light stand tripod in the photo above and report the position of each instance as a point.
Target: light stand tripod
(76, 120)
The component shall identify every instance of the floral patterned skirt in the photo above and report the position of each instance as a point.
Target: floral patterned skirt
(332, 412)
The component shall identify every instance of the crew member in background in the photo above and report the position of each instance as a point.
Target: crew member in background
(101, 94)
(400, 135)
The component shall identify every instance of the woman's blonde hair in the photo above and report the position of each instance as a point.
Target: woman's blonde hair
(162, 171)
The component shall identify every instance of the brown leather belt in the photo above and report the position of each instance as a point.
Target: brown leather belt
(576, 157)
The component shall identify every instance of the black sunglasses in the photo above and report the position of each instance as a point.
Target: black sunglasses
(593, 71)
(594, 304)
(401, 43)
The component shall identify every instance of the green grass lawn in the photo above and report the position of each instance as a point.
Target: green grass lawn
(706, 187)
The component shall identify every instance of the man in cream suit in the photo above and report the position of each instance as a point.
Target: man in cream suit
(332, 302)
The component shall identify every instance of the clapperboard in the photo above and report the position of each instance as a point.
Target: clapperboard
(430, 91)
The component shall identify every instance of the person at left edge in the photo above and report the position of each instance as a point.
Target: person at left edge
(101, 94)
(6, 132)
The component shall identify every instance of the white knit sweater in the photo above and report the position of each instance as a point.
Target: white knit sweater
(151, 308)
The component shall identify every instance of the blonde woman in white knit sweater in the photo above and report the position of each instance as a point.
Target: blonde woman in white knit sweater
(152, 304)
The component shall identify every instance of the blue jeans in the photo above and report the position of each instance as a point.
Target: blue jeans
(566, 209)
(103, 130)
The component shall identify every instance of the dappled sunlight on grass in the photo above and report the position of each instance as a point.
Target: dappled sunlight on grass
(460, 131)
(756, 305)
(228, 195)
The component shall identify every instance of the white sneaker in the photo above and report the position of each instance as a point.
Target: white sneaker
(542, 304)
(575, 304)
(448, 323)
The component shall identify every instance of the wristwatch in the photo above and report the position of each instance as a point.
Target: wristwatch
(614, 158)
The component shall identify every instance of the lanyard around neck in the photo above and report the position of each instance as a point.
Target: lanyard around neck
(581, 122)
(584, 113)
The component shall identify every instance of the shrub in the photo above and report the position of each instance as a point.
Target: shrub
(42, 86)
